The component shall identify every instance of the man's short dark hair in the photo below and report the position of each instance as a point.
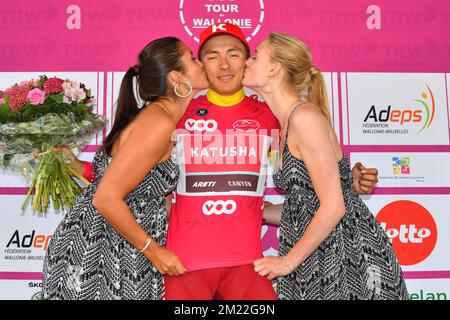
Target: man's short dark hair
(246, 48)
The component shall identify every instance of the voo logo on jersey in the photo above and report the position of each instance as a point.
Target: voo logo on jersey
(219, 207)
(201, 125)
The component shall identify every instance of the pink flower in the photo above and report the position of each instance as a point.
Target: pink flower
(2, 101)
(53, 85)
(90, 102)
(33, 83)
(30, 84)
(36, 96)
(17, 98)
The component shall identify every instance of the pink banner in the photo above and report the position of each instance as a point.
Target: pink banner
(356, 35)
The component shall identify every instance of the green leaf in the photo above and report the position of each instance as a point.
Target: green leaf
(6, 115)
(41, 80)
(58, 98)
(5, 108)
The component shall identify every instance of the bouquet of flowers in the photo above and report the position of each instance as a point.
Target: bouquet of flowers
(35, 116)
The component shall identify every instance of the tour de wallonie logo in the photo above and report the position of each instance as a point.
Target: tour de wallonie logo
(197, 15)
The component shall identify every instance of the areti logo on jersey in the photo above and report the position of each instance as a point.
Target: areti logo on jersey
(246, 125)
(201, 125)
(219, 207)
(411, 229)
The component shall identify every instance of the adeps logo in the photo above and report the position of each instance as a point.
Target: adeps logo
(422, 113)
(33, 240)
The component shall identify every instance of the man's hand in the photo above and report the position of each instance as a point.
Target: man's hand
(272, 213)
(364, 179)
(72, 160)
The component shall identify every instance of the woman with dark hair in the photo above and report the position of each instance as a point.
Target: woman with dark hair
(111, 244)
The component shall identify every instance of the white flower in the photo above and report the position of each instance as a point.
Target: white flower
(73, 91)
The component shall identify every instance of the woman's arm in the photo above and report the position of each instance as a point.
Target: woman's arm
(310, 132)
(145, 146)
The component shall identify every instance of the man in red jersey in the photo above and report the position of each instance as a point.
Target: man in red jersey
(222, 144)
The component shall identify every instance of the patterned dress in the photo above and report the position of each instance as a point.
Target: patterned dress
(356, 261)
(88, 259)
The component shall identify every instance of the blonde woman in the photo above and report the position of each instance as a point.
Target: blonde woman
(331, 246)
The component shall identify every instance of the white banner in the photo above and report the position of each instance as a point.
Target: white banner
(407, 169)
(395, 109)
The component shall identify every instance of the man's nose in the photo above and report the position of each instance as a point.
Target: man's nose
(224, 63)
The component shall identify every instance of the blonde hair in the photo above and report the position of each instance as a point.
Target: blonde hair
(296, 59)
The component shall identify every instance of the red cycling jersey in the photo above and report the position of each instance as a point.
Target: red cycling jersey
(222, 153)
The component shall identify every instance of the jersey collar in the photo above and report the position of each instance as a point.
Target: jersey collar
(225, 101)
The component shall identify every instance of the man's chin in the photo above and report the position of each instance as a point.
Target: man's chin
(227, 91)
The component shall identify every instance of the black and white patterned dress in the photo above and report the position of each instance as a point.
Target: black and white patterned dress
(88, 259)
(356, 261)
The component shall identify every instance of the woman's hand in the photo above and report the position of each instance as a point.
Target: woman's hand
(165, 260)
(273, 267)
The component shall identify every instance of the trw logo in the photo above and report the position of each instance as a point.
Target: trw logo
(201, 125)
(219, 207)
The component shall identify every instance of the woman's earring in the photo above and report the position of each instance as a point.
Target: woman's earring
(175, 89)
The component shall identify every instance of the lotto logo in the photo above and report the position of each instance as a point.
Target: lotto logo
(407, 234)
(411, 229)
(201, 125)
(219, 207)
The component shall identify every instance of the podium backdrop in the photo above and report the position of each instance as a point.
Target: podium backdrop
(378, 57)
